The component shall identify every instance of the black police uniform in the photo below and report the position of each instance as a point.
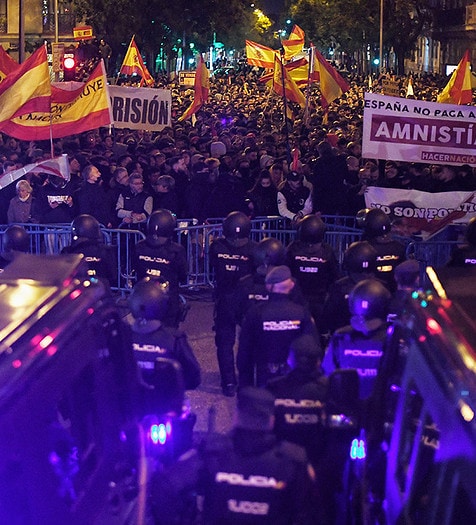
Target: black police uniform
(167, 262)
(464, 256)
(230, 263)
(100, 259)
(268, 329)
(247, 477)
(390, 253)
(315, 267)
(350, 348)
(299, 409)
(149, 343)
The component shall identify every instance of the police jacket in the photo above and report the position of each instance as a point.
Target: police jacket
(100, 259)
(266, 334)
(349, 348)
(464, 256)
(230, 263)
(247, 477)
(167, 261)
(390, 253)
(299, 409)
(314, 266)
(164, 342)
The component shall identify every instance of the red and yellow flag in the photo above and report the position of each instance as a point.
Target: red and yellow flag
(298, 70)
(26, 89)
(133, 64)
(458, 90)
(201, 88)
(289, 89)
(75, 107)
(260, 56)
(294, 44)
(7, 64)
(332, 85)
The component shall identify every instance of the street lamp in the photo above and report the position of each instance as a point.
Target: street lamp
(381, 36)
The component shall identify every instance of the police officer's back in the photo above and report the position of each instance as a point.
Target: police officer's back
(465, 256)
(247, 476)
(268, 330)
(151, 339)
(361, 345)
(300, 398)
(86, 238)
(231, 258)
(313, 263)
(158, 256)
(390, 252)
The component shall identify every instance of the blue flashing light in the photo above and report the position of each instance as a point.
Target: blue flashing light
(415, 295)
(357, 449)
(159, 433)
(376, 61)
(424, 304)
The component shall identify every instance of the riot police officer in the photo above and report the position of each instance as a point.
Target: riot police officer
(247, 476)
(15, 239)
(148, 303)
(86, 238)
(158, 256)
(466, 255)
(390, 252)
(300, 398)
(313, 263)
(251, 288)
(361, 345)
(268, 329)
(359, 263)
(231, 258)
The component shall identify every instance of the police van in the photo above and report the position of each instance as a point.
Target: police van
(64, 391)
(421, 454)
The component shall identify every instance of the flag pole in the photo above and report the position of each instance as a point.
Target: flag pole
(285, 108)
(308, 87)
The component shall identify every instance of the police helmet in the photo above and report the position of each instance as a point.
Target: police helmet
(471, 232)
(369, 299)
(360, 257)
(360, 217)
(149, 299)
(161, 223)
(311, 229)
(85, 227)
(16, 238)
(236, 226)
(377, 223)
(269, 252)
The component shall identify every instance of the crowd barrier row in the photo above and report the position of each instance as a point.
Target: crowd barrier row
(196, 238)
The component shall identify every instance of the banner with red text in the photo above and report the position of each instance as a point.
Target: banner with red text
(418, 131)
(420, 213)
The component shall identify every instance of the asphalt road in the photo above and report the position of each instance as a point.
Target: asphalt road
(198, 326)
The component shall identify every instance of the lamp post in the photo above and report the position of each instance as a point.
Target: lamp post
(381, 38)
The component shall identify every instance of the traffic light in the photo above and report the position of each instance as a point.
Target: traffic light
(69, 66)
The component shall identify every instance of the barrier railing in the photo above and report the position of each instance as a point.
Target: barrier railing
(196, 239)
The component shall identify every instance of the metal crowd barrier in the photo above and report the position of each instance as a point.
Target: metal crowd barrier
(196, 238)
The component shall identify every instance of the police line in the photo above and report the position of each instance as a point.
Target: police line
(140, 108)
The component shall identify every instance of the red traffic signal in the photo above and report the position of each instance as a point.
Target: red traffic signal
(69, 67)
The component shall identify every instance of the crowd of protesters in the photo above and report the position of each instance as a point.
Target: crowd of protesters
(237, 155)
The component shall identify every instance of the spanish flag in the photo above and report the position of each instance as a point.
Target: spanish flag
(201, 88)
(290, 89)
(133, 64)
(75, 107)
(26, 89)
(7, 64)
(294, 44)
(332, 85)
(260, 56)
(458, 90)
(298, 70)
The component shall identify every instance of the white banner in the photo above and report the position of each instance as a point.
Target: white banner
(141, 108)
(418, 212)
(418, 131)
